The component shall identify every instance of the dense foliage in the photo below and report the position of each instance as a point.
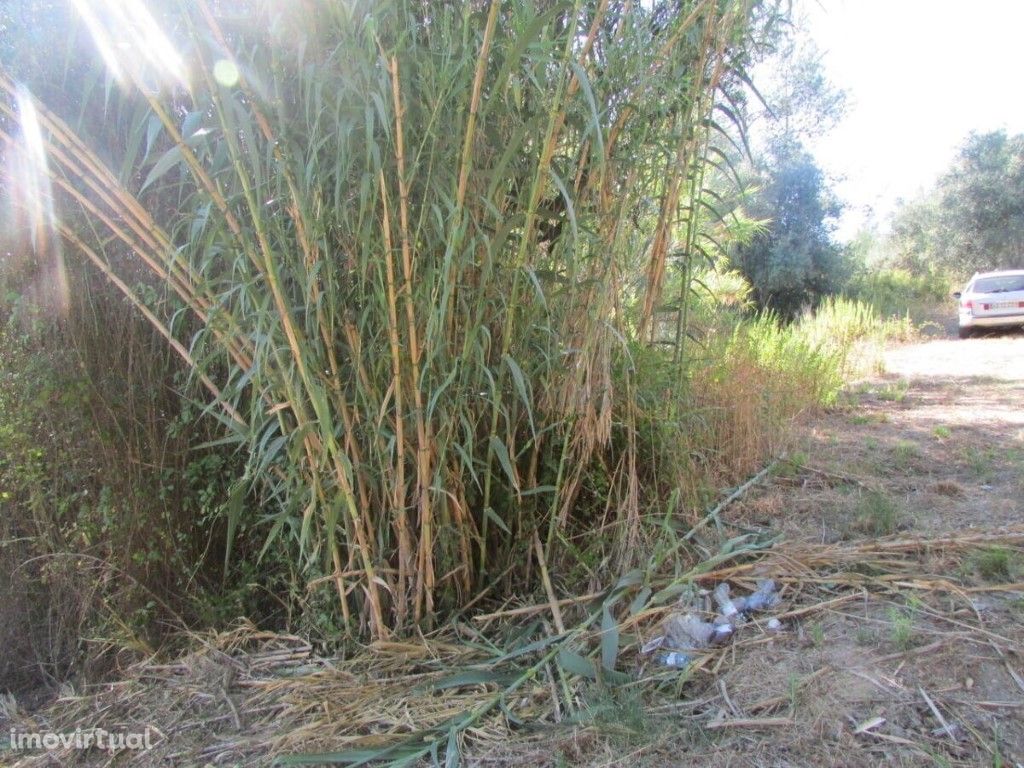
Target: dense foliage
(409, 250)
(973, 220)
(793, 262)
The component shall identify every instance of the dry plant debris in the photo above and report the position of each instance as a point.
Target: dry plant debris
(250, 697)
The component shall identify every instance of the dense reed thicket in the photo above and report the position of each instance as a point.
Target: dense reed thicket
(415, 255)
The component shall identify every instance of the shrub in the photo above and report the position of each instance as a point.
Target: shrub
(112, 526)
(898, 293)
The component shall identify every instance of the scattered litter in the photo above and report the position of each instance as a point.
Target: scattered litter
(675, 659)
(690, 632)
(764, 598)
(684, 630)
(652, 645)
(867, 725)
(727, 606)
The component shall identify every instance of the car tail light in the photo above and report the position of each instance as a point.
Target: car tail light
(967, 304)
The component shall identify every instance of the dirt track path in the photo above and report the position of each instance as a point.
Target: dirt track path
(940, 433)
(932, 448)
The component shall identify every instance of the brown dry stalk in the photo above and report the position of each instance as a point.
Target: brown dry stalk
(424, 599)
(405, 547)
(686, 155)
(752, 722)
(556, 612)
(474, 104)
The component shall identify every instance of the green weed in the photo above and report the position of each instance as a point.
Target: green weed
(996, 564)
(980, 462)
(792, 465)
(901, 629)
(818, 635)
(904, 453)
(865, 636)
(895, 392)
(876, 514)
(620, 713)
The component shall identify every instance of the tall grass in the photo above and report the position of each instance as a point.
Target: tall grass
(897, 293)
(407, 249)
(753, 384)
(855, 331)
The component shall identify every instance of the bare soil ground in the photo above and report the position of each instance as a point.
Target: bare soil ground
(900, 517)
(932, 448)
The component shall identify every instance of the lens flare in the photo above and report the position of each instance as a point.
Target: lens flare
(31, 197)
(226, 73)
(132, 45)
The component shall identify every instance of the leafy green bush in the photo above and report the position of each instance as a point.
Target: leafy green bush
(898, 292)
(112, 526)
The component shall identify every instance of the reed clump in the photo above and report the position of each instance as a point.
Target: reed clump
(415, 255)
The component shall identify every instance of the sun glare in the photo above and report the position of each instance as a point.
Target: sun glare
(226, 73)
(32, 203)
(132, 45)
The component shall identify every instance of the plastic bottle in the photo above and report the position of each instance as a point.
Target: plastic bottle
(726, 605)
(676, 660)
(764, 598)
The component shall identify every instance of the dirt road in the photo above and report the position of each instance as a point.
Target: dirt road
(940, 433)
(997, 356)
(925, 668)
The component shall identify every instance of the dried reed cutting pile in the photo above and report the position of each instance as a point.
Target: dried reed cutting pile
(248, 696)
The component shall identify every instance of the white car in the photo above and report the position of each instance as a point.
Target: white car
(992, 300)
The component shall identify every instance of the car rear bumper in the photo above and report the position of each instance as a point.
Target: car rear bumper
(994, 321)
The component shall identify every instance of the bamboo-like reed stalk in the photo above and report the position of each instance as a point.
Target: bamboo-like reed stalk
(413, 245)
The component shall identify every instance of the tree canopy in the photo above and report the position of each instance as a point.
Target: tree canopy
(792, 262)
(973, 219)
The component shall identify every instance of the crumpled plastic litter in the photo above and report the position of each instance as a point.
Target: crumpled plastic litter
(687, 632)
(726, 605)
(690, 632)
(676, 659)
(763, 598)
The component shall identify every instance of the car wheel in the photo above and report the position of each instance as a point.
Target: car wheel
(965, 333)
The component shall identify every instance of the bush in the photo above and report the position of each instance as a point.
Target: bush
(898, 292)
(111, 526)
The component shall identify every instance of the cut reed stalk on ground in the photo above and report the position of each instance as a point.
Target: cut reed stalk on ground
(435, 697)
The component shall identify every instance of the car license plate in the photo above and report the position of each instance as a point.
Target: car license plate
(1004, 305)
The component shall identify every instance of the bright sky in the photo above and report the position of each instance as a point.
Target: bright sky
(919, 75)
